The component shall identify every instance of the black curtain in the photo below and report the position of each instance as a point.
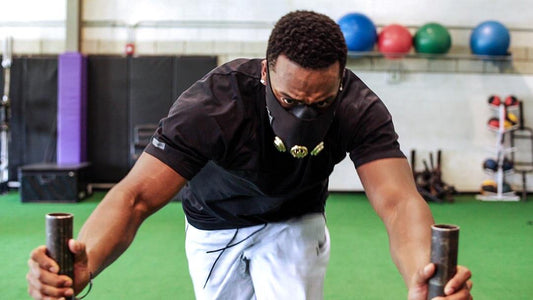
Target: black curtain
(33, 95)
(123, 93)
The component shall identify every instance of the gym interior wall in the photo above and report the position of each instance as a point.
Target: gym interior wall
(123, 93)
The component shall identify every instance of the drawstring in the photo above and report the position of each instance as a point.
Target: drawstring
(219, 255)
(229, 245)
(232, 245)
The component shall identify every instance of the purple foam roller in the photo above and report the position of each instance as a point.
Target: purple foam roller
(72, 108)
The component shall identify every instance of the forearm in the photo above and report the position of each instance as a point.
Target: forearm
(392, 192)
(409, 230)
(111, 228)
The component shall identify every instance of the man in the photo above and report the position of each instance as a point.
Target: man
(249, 148)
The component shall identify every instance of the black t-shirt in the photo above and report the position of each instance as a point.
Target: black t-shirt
(217, 135)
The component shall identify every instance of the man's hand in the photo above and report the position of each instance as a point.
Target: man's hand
(43, 279)
(457, 288)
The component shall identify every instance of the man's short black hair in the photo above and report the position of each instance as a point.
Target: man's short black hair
(310, 39)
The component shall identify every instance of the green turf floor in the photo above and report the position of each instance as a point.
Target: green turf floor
(496, 242)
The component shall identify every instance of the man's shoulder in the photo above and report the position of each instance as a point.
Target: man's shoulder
(358, 105)
(353, 83)
(221, 79)
(244, 66)
(356, 95)
(217, 91)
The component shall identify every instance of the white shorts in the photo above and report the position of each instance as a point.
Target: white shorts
(277, 261)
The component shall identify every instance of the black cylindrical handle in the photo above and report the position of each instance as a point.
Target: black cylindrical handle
(444, 247)
(58, 233)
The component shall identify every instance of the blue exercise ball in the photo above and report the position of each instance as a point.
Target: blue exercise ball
(490, 38)
(359, 32)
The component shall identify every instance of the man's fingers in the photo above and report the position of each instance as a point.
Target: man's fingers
(39, 256)
(78, 249)
(47, 277)
(42, 277)
(461, 294)
(75, 246)
(423, 274)
(459, 281)
(469, 285)
(38, 288)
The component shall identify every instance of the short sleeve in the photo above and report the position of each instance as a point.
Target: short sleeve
(188, 137)
(376, 138)
(366, 124)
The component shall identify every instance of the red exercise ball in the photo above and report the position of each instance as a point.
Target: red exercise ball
(394, 40)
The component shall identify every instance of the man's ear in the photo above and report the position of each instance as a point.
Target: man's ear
(264, 71)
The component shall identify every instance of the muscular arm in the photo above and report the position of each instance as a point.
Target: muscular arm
(390, 187)
(112, 226)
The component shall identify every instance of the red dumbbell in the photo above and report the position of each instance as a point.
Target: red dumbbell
(511, 101)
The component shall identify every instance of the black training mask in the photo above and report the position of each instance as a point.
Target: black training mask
(300, 129)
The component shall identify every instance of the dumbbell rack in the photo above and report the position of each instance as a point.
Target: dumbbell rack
(523, 165)
(501, 151)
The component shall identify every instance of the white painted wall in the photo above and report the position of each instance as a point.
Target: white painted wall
(447, 112)
(432, 111)
(33, 10)
(515, 13)
(21, 11)
(469, 13)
